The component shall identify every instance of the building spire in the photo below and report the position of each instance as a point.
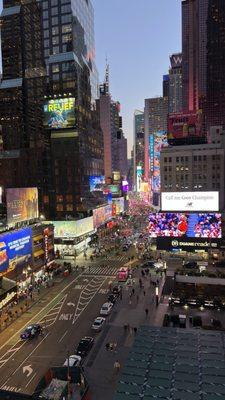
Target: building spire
(106, 75)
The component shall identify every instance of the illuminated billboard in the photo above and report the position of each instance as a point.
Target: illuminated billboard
(15, 250)
(117, 206)
(139, 176)
(157, 141)
(72, 229)
(125, 186)
(187, 244)
(190, 201)
(185, 127)
(22, 204)
(59, 113)
(207, 225)
(114, 189)
(97, 183)
(102, 215)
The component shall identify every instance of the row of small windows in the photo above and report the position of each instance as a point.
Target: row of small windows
(46, 4)
(196, 158)
(55, 11)
(65, 19)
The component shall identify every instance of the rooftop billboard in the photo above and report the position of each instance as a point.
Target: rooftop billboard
(185, 127)
(22, 205)
(207, 225)
(59, 113)
(102, 215)
(72, 229)
(190, 201)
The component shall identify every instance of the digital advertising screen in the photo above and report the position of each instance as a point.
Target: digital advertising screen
(117, 206)
(22, 204)
(97, 183)
(157, 141)
(15, 250)
(139, 176)
(190, 201)
(187, 244)
(102, 215)
(59, 113)
(125, 186)
(72, 229)
(184, 126)
(196, 225)
(114, 189)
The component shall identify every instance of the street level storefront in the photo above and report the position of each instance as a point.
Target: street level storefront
(72, 237)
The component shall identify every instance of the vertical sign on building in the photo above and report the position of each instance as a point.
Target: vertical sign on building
(139, 174)
(156, 142)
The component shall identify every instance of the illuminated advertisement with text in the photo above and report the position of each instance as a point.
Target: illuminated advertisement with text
(190, 201)
(59, 113)
(22, 204)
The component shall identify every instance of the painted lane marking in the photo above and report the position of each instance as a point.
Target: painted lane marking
(41, 311)
(31, 379)
(63, 336)
(28, 369)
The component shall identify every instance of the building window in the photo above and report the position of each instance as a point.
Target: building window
(45, 24)
(45, 14)
(69, 198)
(66, 18)
(55, 77)
(54, 11)
(46, 43)
(55, 30)
(46, 52)
(55, 50)
(66, 8)
(55, 40)
(165, 159)
(55, 20)
(177, 159)
(59, 199)
(66, 38)
(46, 34)
(55, 68)
(195, 158)
(59, 207)
(69, 207)
(66, 28)
(54, 2)
(45, 5)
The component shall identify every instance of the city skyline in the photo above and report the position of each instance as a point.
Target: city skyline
(124, 83)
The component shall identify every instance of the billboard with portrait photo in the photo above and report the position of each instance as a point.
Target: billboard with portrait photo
(22, 205)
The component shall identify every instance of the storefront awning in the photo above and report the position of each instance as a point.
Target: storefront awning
(39, 253)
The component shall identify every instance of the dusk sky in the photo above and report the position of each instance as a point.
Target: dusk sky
(137, 36)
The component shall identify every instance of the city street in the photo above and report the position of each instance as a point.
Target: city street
(66, 318)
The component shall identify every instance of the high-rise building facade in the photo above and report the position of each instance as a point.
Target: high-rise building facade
(25, 146)
(215, 102)
(194, 53)
(139, 142)
(115, 144)
(175, 83)
(155, 117)
(74, 125)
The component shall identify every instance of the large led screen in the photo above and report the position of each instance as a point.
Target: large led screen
(15, 250)
(190, 201)
(97, 183)
(157, 141)
(185, 225)
(22, 204)
(102, 215)
(59, 113)
(71, 229)
(117, 206)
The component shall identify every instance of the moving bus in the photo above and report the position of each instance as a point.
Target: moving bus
(123, 274)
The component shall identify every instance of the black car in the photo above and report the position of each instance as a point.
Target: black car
(116, 290)
(190, 264)
(84, 346)
(112, 297)
(31, 332)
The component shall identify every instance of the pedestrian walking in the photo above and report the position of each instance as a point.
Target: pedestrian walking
(133, 291)
(144, 292)
(117, 366)
(146, 312)
(107, 346)
(135, 330)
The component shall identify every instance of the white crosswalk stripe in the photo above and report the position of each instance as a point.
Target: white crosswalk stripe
(106, 268)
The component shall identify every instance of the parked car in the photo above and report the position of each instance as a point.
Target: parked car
(84, 346)
(98, 324)
(73, 361)
(31, 332)
(190, 264)
(106, 309)
(112, 297)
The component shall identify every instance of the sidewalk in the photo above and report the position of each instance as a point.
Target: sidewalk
(99, 366)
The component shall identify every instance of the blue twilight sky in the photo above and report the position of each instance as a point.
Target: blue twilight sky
(137, 36)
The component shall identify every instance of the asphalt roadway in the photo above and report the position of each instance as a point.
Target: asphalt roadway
(66, 318)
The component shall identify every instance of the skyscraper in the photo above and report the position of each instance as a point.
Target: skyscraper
(139, 141)
(155, 115)
(70, 113)
(25, 149)
(115, 144)
(215, 103)
(194, 53)
(175, 83)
